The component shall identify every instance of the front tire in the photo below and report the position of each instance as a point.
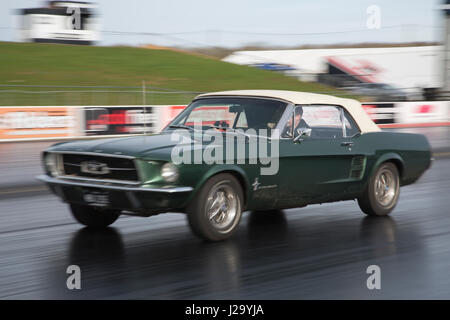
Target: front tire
(216, 210)
(382, 191)
(93, 217)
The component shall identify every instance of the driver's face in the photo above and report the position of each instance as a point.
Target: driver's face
(298, 118)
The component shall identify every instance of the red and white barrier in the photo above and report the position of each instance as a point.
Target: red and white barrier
(68, 122)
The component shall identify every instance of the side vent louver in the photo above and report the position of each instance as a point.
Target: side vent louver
(357, 167)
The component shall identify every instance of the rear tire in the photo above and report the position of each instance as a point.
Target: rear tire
(94, 217)
(382, 191)
(216, 210)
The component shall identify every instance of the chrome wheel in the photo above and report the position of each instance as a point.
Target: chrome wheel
(216, 210)
(381, 194)
(386, 187)
(222, 206)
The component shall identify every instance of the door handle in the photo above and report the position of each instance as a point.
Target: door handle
(347, 144)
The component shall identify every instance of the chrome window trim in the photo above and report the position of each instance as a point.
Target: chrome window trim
(284, 118)
(344, 128)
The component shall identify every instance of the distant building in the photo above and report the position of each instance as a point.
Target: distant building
(445, 8)
(70, 22)
(407, 68)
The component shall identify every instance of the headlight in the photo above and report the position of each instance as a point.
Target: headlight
(169, 172)
(51, 164)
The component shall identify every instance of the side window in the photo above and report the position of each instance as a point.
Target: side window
(325, 122)
(350, 126)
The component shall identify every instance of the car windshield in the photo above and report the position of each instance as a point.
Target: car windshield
(233, 113)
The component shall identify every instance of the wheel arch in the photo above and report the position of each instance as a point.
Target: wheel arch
(395, 158)
(234, 170)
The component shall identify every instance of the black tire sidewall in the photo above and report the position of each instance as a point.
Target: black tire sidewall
(377, 208)
(93, 217)
(196, 211)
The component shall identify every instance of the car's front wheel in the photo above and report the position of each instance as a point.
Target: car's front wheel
(382, 191)
(92, 216)
(215, 212)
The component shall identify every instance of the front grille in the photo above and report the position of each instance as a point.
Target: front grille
(99, 167)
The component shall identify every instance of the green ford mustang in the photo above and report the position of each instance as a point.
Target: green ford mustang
(232, 151)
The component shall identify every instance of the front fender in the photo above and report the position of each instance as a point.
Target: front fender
(221, 168)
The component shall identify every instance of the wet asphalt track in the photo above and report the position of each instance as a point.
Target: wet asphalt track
(317, 252)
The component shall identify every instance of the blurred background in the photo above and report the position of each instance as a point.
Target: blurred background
(71, 70)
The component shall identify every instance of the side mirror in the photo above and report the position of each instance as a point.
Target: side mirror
(302, 132)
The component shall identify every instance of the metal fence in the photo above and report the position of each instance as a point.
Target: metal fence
(32, 95)
(47, 95)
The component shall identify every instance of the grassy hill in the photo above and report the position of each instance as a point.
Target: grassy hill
(24, 64)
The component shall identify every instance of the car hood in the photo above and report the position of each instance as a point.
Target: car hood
(156, 147)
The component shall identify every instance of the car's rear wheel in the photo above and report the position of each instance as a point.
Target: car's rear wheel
(94, 217)
(216, 210)
(382, 191)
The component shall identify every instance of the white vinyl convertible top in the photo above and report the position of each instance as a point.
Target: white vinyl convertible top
(352, 106)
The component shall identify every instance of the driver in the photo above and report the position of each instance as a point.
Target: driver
(300, 123)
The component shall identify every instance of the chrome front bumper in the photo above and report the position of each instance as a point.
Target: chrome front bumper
(140, 200)
(68, 182)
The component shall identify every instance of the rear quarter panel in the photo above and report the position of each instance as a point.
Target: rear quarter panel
(410, 152)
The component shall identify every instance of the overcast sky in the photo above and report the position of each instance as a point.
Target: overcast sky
(237, 22)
